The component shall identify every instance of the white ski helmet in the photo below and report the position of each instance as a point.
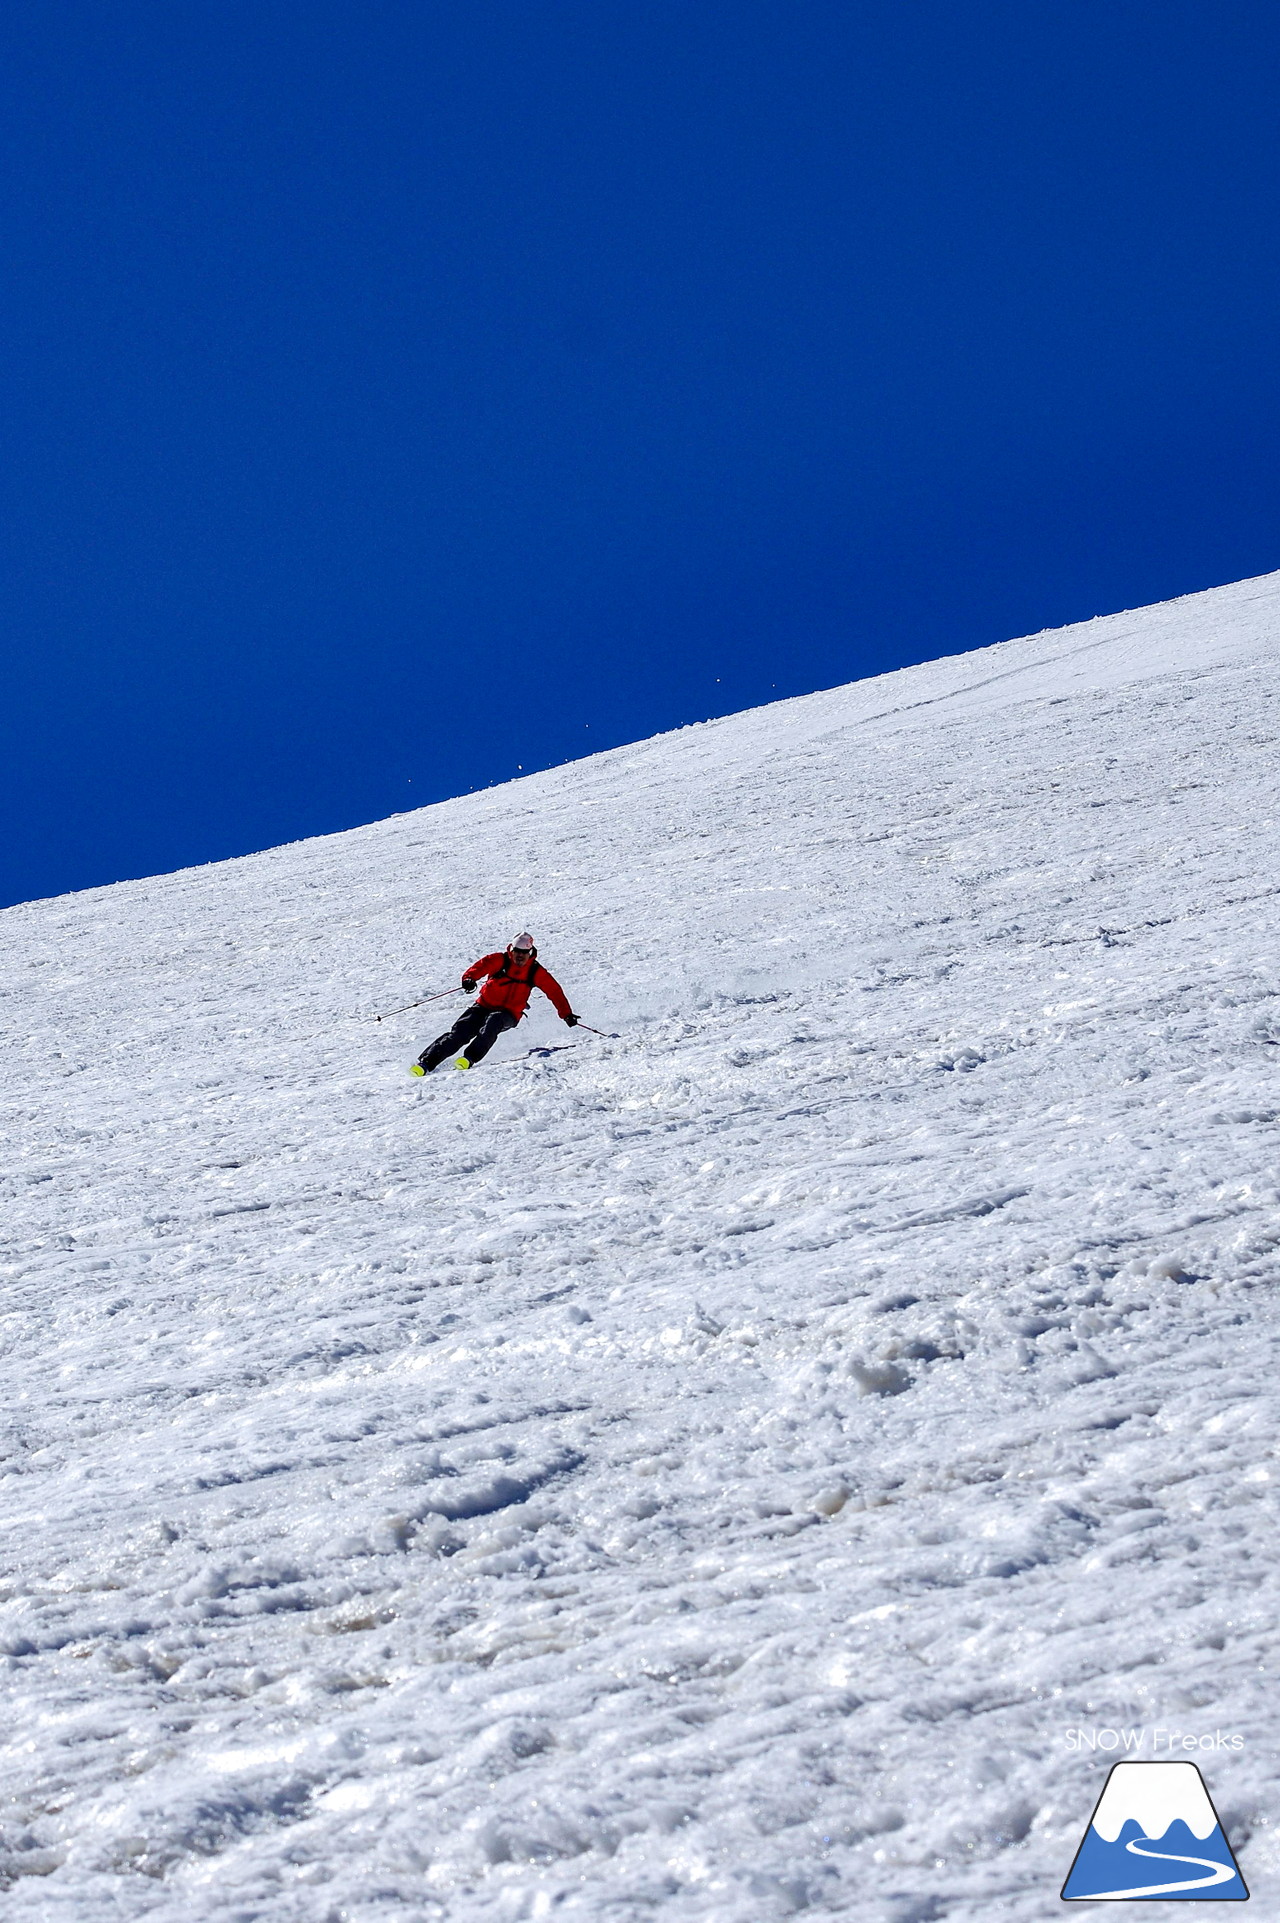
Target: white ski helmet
(524, 945)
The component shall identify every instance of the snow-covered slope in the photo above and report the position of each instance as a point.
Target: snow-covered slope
(703, 1475)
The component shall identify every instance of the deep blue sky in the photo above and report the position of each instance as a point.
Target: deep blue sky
(395, 394)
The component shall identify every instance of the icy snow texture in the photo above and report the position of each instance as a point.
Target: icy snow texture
(698, 1476)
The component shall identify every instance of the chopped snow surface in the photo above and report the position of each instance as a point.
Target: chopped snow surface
(702, 1475)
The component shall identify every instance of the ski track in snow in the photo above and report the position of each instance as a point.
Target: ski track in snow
(704, 1477)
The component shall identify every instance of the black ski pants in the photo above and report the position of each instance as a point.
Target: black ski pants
(475, 1031)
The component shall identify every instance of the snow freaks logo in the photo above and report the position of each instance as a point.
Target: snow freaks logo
(1154, 1833)
(1131, 1740)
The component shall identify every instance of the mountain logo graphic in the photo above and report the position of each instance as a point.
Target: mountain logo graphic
(1154, 1833)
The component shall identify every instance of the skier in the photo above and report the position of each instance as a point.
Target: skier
(502, 1001)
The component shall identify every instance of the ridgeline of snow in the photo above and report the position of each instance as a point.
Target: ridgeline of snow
(704, 1476)
(1153, 1799)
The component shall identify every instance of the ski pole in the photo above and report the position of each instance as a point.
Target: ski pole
(518, 1061)
(609, 1037)
(422, 1004)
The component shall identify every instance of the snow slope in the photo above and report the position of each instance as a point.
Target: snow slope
(703, 1475)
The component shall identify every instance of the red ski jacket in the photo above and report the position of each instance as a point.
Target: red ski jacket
(511, 982)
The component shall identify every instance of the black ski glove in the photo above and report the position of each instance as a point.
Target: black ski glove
(468, 986)
(571, 1020)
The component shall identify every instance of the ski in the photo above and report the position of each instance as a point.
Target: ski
(558, 1048)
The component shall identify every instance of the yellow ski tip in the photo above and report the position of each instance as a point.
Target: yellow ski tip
(417, 1069)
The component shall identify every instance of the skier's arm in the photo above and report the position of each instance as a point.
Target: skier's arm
(478, 970)
(551, 988)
